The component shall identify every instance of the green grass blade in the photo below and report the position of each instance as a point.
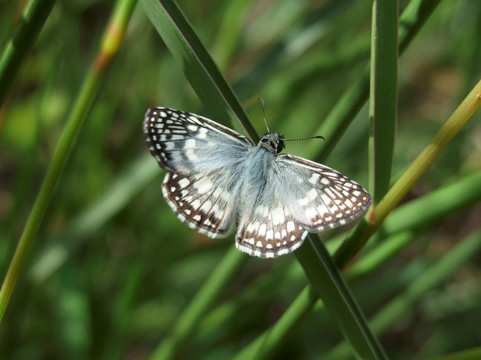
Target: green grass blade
(470, 354)
(434, 205)
(339, 118)
(265, 345)
(383, 99)
(423, 161)
(429, 154)
(432, 277)
(87, 95)
(17, 48)
(329, 284)
(199, 68)
(115, 346)
(205, 297)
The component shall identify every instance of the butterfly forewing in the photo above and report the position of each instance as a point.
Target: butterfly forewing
(184, 142)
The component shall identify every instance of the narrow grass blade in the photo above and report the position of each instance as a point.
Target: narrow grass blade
(383, 99)
(434, 205)
(339, 118)
(329, 284)
(438, 272)
(17, 48)
(199, 68)
(265, 345)
(429, 154)
(424, 160)
(205, 297)
(110, 45)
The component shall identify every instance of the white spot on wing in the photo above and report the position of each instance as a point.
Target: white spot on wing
(262, 230)
(278, 216)
(191, 155)
(184, 182)
(203, 186)
(270, 235)
(190, 144)
(314, 178)
(290, 226)
(312, 194)
(202, 134)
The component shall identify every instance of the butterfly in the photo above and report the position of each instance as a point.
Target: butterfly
(216, 176)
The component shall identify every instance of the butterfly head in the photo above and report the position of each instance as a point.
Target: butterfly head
(273, 142)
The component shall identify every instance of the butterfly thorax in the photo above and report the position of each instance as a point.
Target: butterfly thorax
(273, 142)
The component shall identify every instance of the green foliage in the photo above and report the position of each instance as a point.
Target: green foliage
(112, 273)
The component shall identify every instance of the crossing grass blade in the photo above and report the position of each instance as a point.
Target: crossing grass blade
(351, 102)
(27, 31)
(431, 277)
(383, 94)
(80, 111)
(419, 166)
(199, 68)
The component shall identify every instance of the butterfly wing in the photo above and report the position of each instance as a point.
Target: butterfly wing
(184, 142)
(269, 230)
(204, 159)
(322, 198)
(299, 196)
(204, 202)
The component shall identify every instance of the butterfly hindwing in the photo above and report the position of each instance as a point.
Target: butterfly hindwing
(204, 202)
(269, 230)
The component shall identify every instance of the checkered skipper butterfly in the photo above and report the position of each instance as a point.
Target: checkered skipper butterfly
(216, 176)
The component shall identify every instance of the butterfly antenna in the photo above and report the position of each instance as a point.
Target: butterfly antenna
(308, 138)
(264, 113)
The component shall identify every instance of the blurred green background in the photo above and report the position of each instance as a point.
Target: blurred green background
(112, 268)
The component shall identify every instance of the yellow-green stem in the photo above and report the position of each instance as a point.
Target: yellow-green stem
(111, 42)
